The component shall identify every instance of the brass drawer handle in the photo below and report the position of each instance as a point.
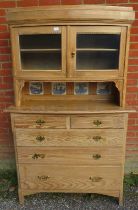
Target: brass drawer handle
(36, 156)
(40, 138)
(40, 121)
(97, 122)
(95, 179)
(43, 178)
(97, 138)
(96, 156)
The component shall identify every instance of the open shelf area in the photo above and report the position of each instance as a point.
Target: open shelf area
(67, 107)
(41, 93)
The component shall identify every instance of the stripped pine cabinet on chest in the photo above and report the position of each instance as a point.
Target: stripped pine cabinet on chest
(69, 120)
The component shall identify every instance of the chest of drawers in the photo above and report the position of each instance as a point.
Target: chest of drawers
(70, 153)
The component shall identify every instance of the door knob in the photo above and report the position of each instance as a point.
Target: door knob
(73, 54)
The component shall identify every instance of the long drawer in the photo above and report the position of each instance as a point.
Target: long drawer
(70, 156)
(73, 137)
(39, 121)
(69, 178)
(98, 121)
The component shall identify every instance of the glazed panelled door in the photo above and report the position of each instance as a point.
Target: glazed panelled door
(97, 51)
(40, 51)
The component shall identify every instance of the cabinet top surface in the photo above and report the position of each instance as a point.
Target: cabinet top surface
(69, 107)
(68, 13)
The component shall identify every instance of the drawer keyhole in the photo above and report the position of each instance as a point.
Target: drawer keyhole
(95, 179)
(43, 178)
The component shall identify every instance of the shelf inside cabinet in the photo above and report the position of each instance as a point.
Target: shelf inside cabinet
(97, 49)
(40, 50)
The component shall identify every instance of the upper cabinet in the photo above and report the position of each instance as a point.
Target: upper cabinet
(70, 42)
(55, 52)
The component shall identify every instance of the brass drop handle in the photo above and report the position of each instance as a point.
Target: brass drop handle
(95, 179)
(97, 122)
(97, 138)
(96, 156)
(36, 156)
(40, 138)
(73, 54)
(43, 178)
(40, 121)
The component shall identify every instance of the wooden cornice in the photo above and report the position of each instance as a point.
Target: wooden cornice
(81, 13)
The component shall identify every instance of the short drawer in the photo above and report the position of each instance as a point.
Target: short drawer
(69, 178)
(39, 121)
(98, 121)
(72, 137)
(70, 156)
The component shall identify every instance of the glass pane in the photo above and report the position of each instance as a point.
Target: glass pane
(89, 60)
(40, 52)
(108, 41)
(41, 60)
(40, 41)
(97, 51)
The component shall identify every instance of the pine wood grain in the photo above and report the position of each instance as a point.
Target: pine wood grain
(32, 121)
(70, 155)
(69, 178)
(76, 137)
(68, 107)
(105, 121)
(71, 13)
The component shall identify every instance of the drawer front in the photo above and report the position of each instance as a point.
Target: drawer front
(70, 156)
(98, 121)
(69, 178)
(40, 121)
(73, 137)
